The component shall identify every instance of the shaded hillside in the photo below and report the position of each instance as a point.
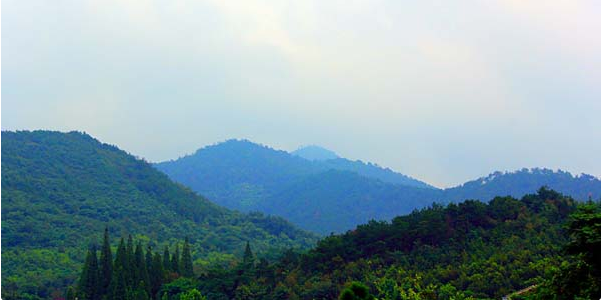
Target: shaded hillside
(319, 195)
(314, 152)
(375, 172)
(335, 201)
(59, 189)
(241, 175)
(526, 181)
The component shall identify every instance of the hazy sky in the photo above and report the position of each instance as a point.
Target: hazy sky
(444, 91)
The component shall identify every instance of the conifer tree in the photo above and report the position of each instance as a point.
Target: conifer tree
(89, 281)
(166, 260)
(106, 264)
(158, 274)
(248, 259)
(148, 260)
(70, 294)
(131, 265)
(119, 286)
(175, 260)
(143, 281)
(186, 263)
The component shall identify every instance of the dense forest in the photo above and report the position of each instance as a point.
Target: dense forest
(246, 176)
(469, 250)
(60, 189)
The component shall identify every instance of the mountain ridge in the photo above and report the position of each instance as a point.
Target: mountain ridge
(257, 177)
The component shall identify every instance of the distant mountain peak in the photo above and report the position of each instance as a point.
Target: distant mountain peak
(314, 152)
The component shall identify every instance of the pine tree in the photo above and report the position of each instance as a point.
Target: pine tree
(70, 294)
(89, 281)
(106, 264)
(166, 260)
(148, 260)
(119, 286)
(186, 263)
(158, 274)
(248, 260)
(131, 264)
(140, 269)
(175, 260)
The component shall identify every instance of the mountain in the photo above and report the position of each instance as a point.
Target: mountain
(375, 172)
(335, 201)
(525, 181)
(246, 176)
(314, 152)
(335, 195)
(60, 189)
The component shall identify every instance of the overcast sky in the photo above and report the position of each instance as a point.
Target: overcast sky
(444, 91)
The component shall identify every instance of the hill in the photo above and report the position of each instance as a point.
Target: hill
(60, 189)
(469, 250)
(525, 181)
(335, 195)
(314, 152)
(334, 201)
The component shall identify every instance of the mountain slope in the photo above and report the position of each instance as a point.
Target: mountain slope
(314, 152)
(325, 196)
(525, 181)
(375, 172)
(240, 174)
(335, 201)
(59, 189)
(469, 250)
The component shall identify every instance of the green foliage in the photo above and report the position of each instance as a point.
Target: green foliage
(192, 294)
(462, 251)
(187, 269)
(60, 189)
(579, 275)
(356, 291)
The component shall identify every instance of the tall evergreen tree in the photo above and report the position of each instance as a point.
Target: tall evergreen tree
(248, 259)
(140, 268)
(119, 286)
(158, 274)
(175, 260)
(70, 294)
(166, 260)
(187, 269)
(106, 264)
(89, 282)
(148, 260)
(131, 264)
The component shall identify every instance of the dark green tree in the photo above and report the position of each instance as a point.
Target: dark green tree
(140, 269)
(356, 291)
(248, 260)
(175, 261)
(89, 284)
(166, 260)
(187, 269)
(149, 266)
(130, 268)
(119, 285)
(106, 264)
(157, 275)
(70, 294)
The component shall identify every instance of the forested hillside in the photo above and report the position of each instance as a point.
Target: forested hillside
(334, 201)
(470, 250)
(333, 195)
(60, 189)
